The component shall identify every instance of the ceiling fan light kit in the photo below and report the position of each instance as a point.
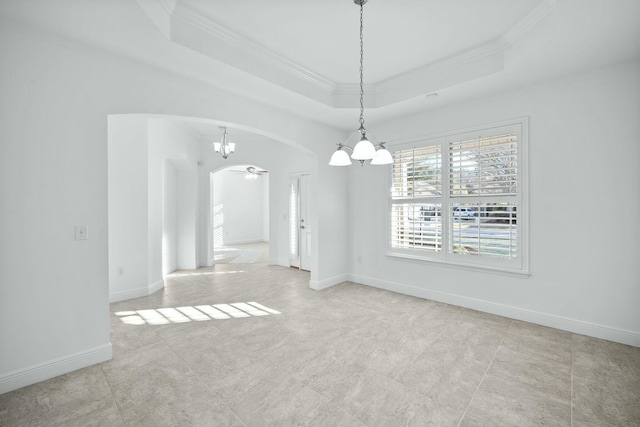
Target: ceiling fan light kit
(364, 149)
(253, 173)
(250, 172)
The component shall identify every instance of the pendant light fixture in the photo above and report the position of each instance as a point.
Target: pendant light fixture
(364, 149)
(224, 147)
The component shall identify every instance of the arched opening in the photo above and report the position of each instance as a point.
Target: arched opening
(161, 216)
(239, 212)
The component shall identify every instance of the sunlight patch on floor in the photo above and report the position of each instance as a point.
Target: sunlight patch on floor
(199, 313)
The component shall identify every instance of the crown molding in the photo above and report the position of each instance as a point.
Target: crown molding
(527, 23)
(251, 48)
(160, 13)
(347, 95)
(168, 5)
(190, 29)
(469, 65)
(472, 64)
(447, 64)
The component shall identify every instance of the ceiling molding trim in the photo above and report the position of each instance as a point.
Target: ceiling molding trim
(348, 96)
(451, 63)
(159, 11)
(251, 48)
(187, 27)
(475, 63)
(527, 23)
(442, 77)
(169, 5)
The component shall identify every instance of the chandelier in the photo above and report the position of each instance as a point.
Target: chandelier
(224, 147)
(364, 149)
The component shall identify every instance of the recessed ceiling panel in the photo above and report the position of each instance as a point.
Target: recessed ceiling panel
(401, 35)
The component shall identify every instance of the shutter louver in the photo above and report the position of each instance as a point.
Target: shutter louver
(484, 166)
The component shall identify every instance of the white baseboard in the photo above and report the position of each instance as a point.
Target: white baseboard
(43, 371)
(155, 287)
(128, 294)
(244, 242)
(319, 285)
(137, 292)
(539, 318)
(283, 262)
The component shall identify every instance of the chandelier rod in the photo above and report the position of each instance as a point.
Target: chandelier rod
(362, 129)
(364, 149)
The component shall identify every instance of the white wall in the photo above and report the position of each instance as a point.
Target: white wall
(584, 151)
(128, 201)
(169, 218)
(169, 140)
(56, 96)
(265, 208)
(243, 205)
(161, 150)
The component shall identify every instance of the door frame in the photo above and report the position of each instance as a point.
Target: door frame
(300, 232)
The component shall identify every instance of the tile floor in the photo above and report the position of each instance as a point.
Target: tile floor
(247, 253)
(346, 356)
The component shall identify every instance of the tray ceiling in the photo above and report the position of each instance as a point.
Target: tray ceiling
(302, 56)
(312, 48)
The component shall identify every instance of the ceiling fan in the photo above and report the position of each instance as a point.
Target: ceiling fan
(251, 172)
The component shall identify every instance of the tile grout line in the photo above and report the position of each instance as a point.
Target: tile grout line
(214, 393)
(200, 378)
(112, 395)
(343, 409)
(322, 397)
(223, 402)
(331, 402)
(464, 414)
(399, 374)
(267, 401)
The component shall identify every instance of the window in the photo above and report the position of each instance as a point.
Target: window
(460, 198)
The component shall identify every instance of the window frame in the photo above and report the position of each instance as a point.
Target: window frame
(518, 265)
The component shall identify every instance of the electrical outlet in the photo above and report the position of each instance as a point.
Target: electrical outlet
(82, 232)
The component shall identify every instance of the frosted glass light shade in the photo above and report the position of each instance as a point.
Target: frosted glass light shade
(340, 158)
(224, 148)
(364, 150)
(382, 157)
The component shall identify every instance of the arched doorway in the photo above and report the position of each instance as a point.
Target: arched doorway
(239, 212)
(159, 177)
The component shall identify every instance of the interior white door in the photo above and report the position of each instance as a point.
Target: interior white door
(305, 224)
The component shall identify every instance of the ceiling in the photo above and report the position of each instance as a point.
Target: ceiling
(303, 55)
(321, 39)
(412, 48)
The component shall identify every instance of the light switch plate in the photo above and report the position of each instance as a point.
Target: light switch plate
(82, 232)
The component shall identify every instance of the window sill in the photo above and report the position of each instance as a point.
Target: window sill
(521, 273)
